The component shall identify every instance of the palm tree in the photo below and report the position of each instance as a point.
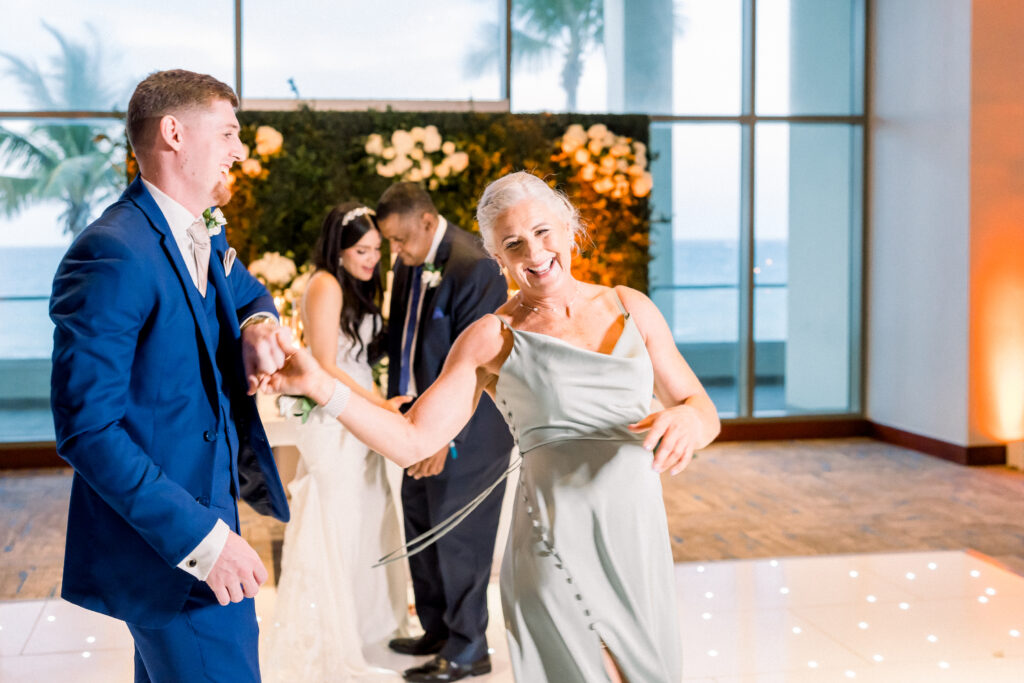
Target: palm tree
(540, 28)
(70, 163)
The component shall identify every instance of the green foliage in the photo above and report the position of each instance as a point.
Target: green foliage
(323, 163)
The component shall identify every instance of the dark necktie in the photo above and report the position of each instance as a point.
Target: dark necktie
(410, 331)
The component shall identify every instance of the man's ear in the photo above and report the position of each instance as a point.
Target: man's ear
(171, 132)
(428, 221)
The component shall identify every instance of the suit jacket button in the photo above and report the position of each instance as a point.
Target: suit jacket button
(207, 436)
(192, 563)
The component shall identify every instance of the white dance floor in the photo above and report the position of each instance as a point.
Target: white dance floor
(901, 618)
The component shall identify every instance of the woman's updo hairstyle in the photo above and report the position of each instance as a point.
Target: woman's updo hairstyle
(510, 190)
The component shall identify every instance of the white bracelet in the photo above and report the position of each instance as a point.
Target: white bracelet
(339, 399)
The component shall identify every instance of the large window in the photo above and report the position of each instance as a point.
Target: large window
(756, 149)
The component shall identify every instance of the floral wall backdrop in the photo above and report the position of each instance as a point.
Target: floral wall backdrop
(304, 162)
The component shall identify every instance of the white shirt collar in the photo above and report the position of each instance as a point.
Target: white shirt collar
(442, 225)
(177, 216)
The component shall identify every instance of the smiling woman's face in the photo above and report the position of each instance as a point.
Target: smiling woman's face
(535, 245)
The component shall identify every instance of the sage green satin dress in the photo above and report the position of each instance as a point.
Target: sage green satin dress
(588, 559)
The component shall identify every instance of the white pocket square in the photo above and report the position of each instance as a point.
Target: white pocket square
(229, 260)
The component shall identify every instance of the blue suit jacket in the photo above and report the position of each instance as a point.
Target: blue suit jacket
(138, 412)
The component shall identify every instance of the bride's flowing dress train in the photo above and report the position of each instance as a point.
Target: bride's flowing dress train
(330, 600)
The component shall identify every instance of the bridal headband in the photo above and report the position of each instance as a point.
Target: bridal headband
(356, 213)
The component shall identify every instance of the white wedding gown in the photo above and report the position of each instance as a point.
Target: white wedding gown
(330, 601)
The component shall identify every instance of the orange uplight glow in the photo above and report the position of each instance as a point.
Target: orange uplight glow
(997, 330)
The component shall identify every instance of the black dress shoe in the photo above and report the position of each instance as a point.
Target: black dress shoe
(424, 645)
(440, 669)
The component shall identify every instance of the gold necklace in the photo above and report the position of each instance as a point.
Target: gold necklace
(538, 309)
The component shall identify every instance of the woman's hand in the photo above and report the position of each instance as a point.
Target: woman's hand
(676, 432)
(395, 403)
(301, 374)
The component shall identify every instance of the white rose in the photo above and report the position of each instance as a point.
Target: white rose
(595, 147)
(275, 269)
(597, 131)
(581, 156)
(401, 164)
(299, 284)
(640, 149)
(251, 167)
(603, 185)
(459, 162)
(576, 134)
(402, 140)
(443, 169)
(385, 170)
(448, 147)
(268, 141)
(427, 168)
(414, 175)
(609, 139)
(374, 145)
(389, 153)
(418, 133)
(432, 140)
(642, 185)
(416, 153)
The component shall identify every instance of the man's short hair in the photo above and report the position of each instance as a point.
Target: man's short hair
(169, 92)
(404, 199)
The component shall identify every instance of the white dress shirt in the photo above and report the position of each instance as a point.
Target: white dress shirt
(200, 561)
(442, 225)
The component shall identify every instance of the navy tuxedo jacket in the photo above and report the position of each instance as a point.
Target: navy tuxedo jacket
(139, 413)
(471, 286)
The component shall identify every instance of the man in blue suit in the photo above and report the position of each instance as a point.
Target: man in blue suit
(151, 396)
(444, 281)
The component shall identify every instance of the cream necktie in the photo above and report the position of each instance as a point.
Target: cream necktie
(200, 237)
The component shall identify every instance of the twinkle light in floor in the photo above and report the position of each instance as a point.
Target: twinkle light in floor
(982, 599)
(91, 639)
(797, 630)
(1014, 633)
(975, 573)
(911, 576)
(904, 605)
(990, 591)
(933, 566)
(851, 674)
(878, 658)
(706, 616)
(709, 595)
(51, 618)
(784, 590)
(943, 665)
(86, 655)
(863, 625)
(712, 653)
(812, 664)
(700, 569)
(871, 598)
(933, 639)
(774, 563)
(854, 573)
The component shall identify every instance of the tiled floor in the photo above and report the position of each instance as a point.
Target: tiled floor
(895, 617)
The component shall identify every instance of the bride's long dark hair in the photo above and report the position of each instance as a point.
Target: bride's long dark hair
(358, 297)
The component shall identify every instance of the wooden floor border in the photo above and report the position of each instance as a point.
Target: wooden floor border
(44, 454)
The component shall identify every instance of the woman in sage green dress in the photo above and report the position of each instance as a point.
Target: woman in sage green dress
(587, 583)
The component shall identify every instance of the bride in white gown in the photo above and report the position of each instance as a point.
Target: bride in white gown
(330, 601)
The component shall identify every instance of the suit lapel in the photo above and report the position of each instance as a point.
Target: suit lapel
(444, 250)
(138, 194)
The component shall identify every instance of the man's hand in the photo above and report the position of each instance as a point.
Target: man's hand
(263, 353)
(238, 571)
(429, 467)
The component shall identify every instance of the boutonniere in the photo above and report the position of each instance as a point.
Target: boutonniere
(431, 275)
(214, 219)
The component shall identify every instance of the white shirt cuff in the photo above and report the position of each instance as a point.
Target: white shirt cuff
(200, 561)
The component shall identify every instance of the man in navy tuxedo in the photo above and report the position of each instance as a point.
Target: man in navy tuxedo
(443, 282)
(151, 396)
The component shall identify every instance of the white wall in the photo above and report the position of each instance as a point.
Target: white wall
(919, 218)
